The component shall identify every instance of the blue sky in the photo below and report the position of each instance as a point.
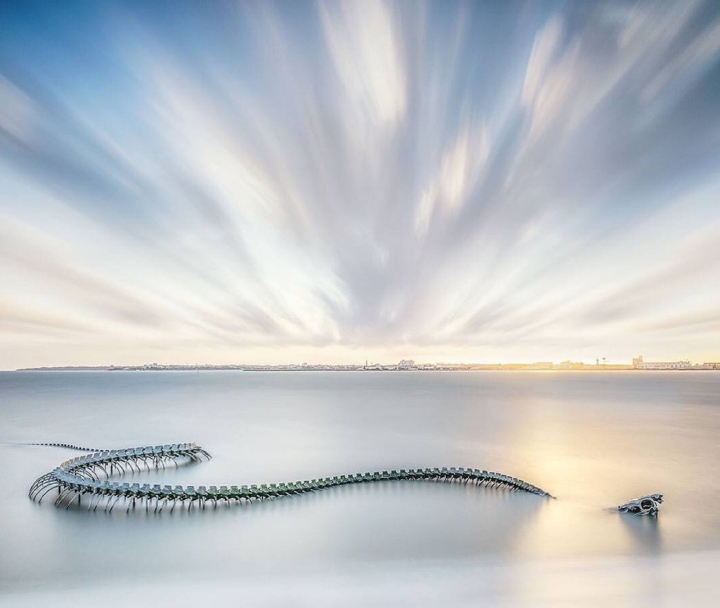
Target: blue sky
(331, 181)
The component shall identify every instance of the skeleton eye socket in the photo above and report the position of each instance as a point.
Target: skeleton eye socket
(647, 504)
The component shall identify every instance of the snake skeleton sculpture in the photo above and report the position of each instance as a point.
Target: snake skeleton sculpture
(90, 476)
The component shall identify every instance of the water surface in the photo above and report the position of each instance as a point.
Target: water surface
(592, 439)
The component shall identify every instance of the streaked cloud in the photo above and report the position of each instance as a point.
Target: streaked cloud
(364, 44)
(351, 180)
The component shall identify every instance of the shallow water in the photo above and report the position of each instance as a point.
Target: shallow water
(593, 439)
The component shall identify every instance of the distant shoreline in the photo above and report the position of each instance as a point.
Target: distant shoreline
(329, 368)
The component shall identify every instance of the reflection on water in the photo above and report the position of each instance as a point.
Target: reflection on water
(644, 532)
(594, 440)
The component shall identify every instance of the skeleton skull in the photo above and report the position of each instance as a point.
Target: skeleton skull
(646, 505)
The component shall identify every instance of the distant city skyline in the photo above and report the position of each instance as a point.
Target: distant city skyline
(341, 181)
(407, 365)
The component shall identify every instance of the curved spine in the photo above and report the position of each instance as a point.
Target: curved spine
(66, 446)
(81, 476)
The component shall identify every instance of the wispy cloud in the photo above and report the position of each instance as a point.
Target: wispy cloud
(336, 180)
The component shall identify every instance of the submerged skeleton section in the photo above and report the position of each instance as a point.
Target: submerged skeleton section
(90, 476)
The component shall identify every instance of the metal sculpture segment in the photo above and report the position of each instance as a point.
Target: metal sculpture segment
(90, 476)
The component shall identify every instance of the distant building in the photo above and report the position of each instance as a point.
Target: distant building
(571, 365)
(664, 365)
(637, 361)
(541, 365)
(427, 366)
(406, 364)
(451, 366)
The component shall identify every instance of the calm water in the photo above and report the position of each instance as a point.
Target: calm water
(592, 439)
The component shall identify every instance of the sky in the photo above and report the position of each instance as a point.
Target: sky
(269, 182)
